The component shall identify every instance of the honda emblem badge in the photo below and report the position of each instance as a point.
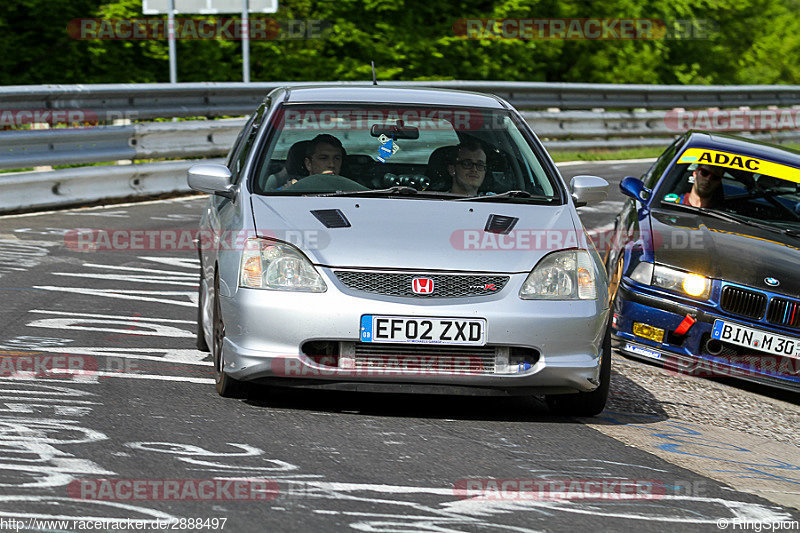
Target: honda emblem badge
(422, 285)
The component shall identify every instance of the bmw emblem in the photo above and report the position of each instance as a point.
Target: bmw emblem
(772, 282)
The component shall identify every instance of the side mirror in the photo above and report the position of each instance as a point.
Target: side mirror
(634, 188)
(588, 190)
(211, 178)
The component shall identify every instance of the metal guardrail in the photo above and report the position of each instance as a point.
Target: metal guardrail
(212, 138)
(70, 186)
(571, 127)
(149, 140)
(152, 100)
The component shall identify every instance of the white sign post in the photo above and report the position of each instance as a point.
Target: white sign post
(208, 7)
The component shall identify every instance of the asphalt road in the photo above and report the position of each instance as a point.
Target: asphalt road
(140, 405)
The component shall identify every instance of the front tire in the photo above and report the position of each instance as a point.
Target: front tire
(200, 341)
(227, 387)
(587, 403)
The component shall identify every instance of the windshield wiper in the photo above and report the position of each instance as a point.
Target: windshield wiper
(508, 194)
(397, 190)
(732, 218)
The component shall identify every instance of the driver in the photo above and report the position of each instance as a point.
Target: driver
(707, 188)
(324, 155)
(469, 169)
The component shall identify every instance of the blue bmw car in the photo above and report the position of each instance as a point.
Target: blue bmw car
(705, 261)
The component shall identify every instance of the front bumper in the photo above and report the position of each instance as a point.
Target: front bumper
(265, 332)
(688, 354)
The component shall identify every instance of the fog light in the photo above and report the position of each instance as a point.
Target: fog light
(648, 332)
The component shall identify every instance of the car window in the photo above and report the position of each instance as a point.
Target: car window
(244, 143)
(655, 172)
(433, 149)
(749, 187)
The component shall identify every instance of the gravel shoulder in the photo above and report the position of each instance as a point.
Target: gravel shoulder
(741, 434)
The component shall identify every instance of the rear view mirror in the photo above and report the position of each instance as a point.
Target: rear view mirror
(395, 131)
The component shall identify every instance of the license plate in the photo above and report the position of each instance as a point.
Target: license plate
(423, 330)
(756, 339)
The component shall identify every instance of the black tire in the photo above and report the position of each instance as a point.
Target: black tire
(200, 341)
(586, 403)
(227, 387)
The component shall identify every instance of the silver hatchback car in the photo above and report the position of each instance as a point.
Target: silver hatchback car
(401, 240)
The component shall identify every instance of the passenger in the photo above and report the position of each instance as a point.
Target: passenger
(469, 168)
(293, 170)
(324, 155)
(707, 188)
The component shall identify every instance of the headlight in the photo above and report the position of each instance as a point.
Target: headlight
(565, 275)
(270, 265)
(687, 283)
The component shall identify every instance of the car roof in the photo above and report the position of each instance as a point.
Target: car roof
(743, 146)
(377, 94)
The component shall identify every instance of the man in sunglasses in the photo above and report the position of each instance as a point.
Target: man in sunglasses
(707, 188)
(469, 168)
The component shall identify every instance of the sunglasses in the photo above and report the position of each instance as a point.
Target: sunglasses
(468, 164)
(706, 173)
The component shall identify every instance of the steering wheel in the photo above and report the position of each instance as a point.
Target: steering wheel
(325, 183)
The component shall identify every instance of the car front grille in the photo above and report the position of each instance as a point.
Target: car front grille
(400, 283)
(784, 312)
(425, 359)
(743, 302)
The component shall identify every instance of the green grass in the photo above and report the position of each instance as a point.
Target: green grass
(561, 156)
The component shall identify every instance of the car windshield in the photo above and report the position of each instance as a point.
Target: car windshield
(750, 189)
(449, 153)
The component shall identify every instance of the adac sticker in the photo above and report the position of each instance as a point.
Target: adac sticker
(740, 162)
(387, 148)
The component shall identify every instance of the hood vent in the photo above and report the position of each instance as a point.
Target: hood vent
(501, 224)
(332, 218)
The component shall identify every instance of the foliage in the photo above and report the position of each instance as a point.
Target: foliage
(753, 41)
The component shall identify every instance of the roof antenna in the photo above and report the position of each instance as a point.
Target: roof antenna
(374, 79)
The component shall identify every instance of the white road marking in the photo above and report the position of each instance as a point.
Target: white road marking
(142, 296)
(135, 328)
(117, 317)
(147, 270)
(170, 355)
(155, 280)
(155, 377)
